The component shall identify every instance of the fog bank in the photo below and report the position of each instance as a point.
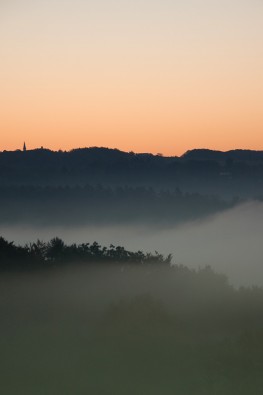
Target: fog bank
(231, 242)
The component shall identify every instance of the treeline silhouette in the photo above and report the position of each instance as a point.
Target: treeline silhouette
(101, 204)
(237, 172)
(55, 252)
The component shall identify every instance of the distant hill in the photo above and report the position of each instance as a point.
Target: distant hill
(237, 172)
(220, 156)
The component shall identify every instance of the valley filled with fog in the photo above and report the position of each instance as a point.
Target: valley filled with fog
(91, 299)
(230, 242)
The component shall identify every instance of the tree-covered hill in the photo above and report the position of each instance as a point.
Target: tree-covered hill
(43, 255)
(237, 172)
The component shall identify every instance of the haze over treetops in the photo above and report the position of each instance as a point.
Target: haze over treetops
(148, 76)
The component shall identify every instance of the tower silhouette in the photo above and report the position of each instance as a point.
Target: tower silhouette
(24, 147)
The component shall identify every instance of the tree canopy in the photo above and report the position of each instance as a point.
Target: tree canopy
(56, 252)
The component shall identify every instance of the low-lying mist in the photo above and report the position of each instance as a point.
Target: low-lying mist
(124, 329)
(230, 242)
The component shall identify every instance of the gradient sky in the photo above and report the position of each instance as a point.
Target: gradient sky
(143, 75)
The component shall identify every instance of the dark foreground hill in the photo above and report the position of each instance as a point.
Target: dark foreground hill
(119, 329)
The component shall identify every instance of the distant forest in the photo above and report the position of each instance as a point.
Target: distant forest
(104, 205)
(108, 186)
(233, 173)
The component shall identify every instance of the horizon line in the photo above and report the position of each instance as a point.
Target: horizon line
(129, 152)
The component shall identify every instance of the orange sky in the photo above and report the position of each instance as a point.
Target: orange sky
(155, 76)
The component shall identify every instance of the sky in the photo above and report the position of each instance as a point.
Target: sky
(160, 76)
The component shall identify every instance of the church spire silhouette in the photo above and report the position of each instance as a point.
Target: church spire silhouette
(24, 147)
